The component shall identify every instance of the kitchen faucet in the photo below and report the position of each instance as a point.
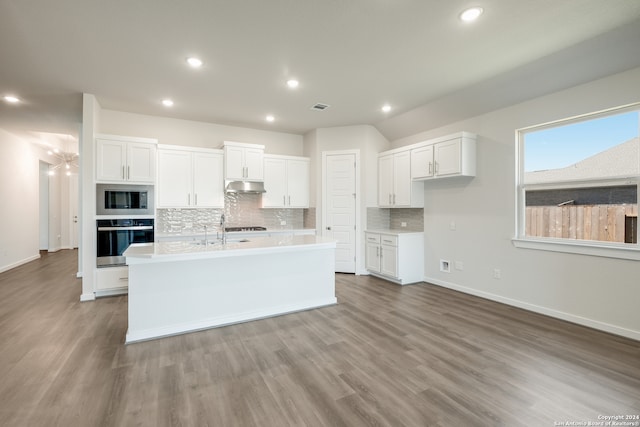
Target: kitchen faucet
(224, 232)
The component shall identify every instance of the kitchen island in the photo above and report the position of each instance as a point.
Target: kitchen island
(179, 287)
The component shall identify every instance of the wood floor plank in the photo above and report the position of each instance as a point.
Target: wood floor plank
(385, 355)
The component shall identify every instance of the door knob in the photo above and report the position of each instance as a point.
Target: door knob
(329, 228)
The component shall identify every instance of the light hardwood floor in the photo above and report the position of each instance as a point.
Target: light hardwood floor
(386, 355)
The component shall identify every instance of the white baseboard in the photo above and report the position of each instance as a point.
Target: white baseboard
(87, 297)
(602, 326)
(19, 263)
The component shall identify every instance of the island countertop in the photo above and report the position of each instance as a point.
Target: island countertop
(177, 251)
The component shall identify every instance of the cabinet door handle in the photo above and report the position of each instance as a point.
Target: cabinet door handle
(123, 177)
(394, 198)
(430, 168)
(128, 172)
(377, 251)
(389, 198)
(189, 199)
(284, 201)
(195, 196)
(289, 200)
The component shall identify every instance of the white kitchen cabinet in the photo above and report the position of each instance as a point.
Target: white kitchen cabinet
(395, 187)
(190, 178)
(243, 162)
(395, 255)
(286, 181)
(112, 280)
(453, 155)
(125, 159)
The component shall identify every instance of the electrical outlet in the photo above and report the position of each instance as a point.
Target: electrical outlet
(403, 224)
(445, 266)
(283, 222)
(497, 274)
(459, 265)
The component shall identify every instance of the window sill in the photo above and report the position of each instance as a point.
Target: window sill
(580, 247)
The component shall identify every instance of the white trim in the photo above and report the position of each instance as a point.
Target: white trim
(19, 263)
(583, 117)
(190, 149)
(125, 138)
(581, 247)
(111, 292)
(87, 297)
(583, 321)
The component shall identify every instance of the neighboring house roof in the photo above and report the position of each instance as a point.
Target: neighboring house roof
(618, 161)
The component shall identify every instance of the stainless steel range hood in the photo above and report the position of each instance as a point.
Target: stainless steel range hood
(255, 187)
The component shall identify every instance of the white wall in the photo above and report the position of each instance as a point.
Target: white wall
(195, 134)
(595, 291)
(20, 196)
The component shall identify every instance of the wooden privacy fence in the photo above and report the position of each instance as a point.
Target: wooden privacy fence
(608, 223)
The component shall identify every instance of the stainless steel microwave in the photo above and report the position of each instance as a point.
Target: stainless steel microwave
(124, 199)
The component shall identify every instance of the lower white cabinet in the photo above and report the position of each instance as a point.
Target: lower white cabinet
(112, 280)
(397, 256)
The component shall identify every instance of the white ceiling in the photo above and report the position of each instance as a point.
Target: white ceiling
(354, 55)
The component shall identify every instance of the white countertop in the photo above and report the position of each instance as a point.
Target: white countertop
(178, 251)
(393, 231)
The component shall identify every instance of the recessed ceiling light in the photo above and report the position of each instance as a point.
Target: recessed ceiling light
(386, 108)
(194, 62)
(167, 103)
(293, 83)
(12, 99)
(270, 118)
(471, 14)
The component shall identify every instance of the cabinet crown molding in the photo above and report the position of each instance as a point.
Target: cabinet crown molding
(466, 135)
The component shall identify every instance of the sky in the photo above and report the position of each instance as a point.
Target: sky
(565, 145)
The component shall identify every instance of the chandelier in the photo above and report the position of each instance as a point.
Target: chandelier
(65, 161)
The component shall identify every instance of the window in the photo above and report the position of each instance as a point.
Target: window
(578, 184)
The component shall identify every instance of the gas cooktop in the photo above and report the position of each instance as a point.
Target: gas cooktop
(250, 228)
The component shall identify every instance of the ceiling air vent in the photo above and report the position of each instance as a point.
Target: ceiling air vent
(319, 107)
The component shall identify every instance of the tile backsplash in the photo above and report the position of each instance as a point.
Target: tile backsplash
(240, 210)
(382, 218)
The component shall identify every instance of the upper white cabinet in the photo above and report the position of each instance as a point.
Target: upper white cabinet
(190, 178)
(286, 181)
(395, 187)
(453, 155)
(125, 159)
(243, 162)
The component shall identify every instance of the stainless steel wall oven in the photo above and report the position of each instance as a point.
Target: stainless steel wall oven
(115, 236)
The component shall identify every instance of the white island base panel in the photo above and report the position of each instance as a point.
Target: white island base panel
(179, 296)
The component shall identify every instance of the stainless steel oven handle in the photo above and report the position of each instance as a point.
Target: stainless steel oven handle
(137, 227)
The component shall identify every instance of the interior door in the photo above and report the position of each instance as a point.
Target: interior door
(73, 203)
(340, 208)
